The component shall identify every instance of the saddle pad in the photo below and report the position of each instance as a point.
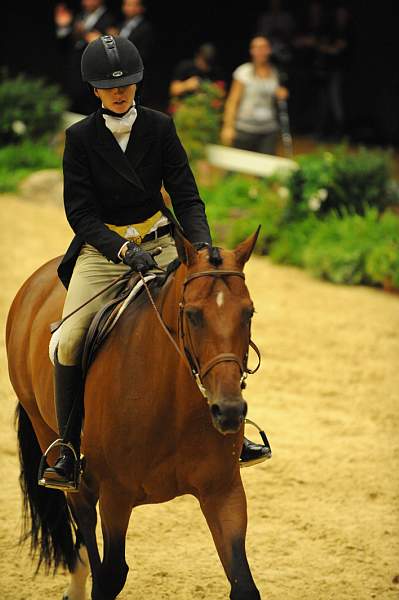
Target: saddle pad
(99, 333)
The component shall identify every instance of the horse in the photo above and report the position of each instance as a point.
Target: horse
(149, 433)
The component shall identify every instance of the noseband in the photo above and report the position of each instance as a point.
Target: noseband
(200, 372)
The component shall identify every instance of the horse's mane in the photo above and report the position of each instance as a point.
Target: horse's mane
(215, 258)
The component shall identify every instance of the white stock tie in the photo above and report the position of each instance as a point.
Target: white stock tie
(121, 125)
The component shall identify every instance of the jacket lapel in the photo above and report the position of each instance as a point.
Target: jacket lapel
(141, 138)
(106, 145)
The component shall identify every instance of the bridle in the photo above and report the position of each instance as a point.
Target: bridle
(189, 357)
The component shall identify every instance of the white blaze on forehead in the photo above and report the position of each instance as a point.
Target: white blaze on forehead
(220, 299)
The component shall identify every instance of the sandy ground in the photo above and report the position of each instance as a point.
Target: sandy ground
(323, 514)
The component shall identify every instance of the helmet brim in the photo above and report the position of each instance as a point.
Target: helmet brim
(104, 84)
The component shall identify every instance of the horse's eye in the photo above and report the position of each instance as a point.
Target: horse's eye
(248, 314)
(195, 316)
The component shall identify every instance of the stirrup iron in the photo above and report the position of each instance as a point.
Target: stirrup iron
(72, 486)
(265, 441)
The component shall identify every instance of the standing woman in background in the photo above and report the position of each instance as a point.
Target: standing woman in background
(250, 117)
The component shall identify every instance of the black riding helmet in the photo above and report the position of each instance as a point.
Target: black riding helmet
(111, 61)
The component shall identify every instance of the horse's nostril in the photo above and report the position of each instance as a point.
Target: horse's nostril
(215, 410)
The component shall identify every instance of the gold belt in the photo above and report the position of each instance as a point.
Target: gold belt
(137, 231)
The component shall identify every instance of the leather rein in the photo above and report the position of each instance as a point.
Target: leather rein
(189, 356)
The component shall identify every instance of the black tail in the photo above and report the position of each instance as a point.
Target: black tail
(46, 518)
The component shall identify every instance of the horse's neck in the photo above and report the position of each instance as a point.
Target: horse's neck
(170, 298)
(168, 305)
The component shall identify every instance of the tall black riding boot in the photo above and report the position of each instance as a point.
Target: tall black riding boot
(68, 387)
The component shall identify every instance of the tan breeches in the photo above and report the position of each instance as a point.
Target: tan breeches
(93, 272)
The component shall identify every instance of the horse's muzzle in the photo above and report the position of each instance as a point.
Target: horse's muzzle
(228, 416)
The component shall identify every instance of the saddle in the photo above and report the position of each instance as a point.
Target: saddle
(107, 317)
(103, 321)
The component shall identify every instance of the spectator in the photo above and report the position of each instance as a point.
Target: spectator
(278, 26)
(189, 74)
(250, 118)
(307, 73)
(334, 50)
(73, 34)
(136, 28)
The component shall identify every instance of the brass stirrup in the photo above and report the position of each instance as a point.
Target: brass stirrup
(72, 486)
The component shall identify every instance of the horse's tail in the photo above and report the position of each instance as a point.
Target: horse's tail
(46, 517)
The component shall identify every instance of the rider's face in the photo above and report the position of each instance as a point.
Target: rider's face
(117, 99)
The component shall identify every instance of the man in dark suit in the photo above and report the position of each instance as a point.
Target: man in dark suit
(136, 28)
(73, 33)
(115, 162)
(189, 74)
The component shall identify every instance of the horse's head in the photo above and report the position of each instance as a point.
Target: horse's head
(215, 320)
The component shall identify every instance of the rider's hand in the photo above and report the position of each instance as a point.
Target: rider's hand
(137, 259)
(200, 245)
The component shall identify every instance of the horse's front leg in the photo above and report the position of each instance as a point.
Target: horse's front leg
(226, 514)
(83, 508)
(115, 511)
(77, 585)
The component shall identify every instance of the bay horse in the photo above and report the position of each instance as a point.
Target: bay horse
(149, 435)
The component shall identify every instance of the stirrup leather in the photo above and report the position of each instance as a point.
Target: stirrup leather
(79, 464)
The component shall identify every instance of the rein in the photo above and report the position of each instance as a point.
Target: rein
(188, 356)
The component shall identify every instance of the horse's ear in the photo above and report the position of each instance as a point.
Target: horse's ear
(185, 250)
(245, 249)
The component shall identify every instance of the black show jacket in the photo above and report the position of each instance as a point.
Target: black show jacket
(102, 184)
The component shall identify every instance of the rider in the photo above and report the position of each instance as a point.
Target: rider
(115, 162)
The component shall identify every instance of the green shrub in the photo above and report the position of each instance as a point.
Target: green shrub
(338, 248)
(291, 244)
(341, 182)
(30, 156)
(19, 160)
(352, 249)
(238, 204)
(29, 108)
(382, 263)
(198, 118)
(343, 246)
(9, 180)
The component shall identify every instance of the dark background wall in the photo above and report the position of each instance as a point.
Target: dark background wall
(28, 45)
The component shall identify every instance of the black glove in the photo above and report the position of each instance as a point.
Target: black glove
(200, 245)
(137, 259)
